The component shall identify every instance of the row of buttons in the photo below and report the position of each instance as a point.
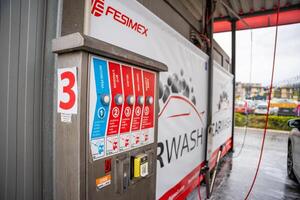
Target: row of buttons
(130, 100)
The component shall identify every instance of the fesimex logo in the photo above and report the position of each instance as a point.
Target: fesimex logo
(98, 9)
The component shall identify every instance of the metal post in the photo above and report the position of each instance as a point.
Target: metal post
(48, 95)
(233, 50)
(210, 76)
(210, 18)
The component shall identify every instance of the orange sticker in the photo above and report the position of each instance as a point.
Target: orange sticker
(103, 181)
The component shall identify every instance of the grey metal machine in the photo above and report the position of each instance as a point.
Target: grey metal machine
(106, 121)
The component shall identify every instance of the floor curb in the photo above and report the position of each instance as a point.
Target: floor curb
(259, 129)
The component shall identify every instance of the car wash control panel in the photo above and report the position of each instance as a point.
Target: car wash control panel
(121, 124)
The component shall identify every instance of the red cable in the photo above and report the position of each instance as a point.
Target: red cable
(269, 100)
(199, 193)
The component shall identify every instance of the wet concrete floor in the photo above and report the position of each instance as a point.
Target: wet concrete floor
(236, 172)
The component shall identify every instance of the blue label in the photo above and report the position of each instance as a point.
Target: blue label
(102, 88)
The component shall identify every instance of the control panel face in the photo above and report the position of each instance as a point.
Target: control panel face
(121, 107)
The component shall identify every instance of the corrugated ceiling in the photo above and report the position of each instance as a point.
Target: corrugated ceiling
(246, 9)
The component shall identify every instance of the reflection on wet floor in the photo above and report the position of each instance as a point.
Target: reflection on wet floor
(236, 173)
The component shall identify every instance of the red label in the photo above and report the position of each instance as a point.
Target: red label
(116, 89)
(68, 89)
(128, 93)
(149, 89)
(138, 91)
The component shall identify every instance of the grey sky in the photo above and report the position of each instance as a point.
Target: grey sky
(287, 57)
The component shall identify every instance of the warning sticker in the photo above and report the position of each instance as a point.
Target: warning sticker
(66, 118)
(97, 147)
(103, 181)
(125, 142)
(136, 138)
(112, 144)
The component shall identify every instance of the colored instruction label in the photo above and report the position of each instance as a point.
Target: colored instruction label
(112, 140)
(138, 108)
(138, 91)
(149, 87)
(128, 93)
(116, 90)
(129, 101)
(102, 88)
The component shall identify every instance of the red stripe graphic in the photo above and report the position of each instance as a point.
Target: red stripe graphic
(184, 187)
(180, 115)
(185, 100)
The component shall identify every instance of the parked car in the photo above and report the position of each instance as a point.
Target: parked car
(293, 155)
(261, 109)
(286, 107)
(251, 106)
(286, 111)
(297, 110)
(244, 107)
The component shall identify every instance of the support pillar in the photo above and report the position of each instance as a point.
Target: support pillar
(233, 62)
(209, 20)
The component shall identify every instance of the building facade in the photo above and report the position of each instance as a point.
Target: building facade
(258, 91)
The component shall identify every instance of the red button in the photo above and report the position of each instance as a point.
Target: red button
(107, 165)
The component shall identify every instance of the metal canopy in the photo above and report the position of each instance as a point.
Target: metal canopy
(257, 13)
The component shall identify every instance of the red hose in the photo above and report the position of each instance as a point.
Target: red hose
(199, 193)
(269, 100)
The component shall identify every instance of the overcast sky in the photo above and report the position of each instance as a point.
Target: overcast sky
(287, 57)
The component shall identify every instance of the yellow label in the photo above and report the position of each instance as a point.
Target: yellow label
(136, 169)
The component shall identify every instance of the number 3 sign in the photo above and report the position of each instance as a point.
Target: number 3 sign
(67, 90)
